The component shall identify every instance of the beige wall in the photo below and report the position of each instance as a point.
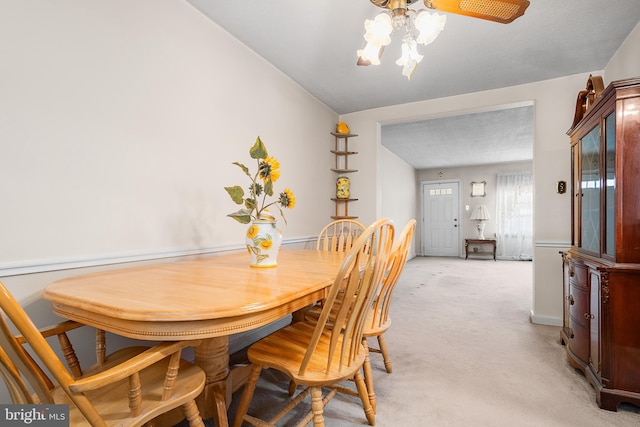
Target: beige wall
(626, 61)
(396, 199)
(120, 125)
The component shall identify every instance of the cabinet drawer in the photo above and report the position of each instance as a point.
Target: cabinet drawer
(578, 274)
(578, 303)
(579, 342)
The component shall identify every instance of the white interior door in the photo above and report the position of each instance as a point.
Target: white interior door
(440, 212)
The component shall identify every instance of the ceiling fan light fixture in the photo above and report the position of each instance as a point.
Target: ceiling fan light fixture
(410, 57)
(370, 55)
(378, 33)
(430, 25)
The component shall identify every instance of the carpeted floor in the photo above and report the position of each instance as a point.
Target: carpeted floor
(464, 353)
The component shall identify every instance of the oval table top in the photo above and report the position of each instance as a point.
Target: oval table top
(202, 298)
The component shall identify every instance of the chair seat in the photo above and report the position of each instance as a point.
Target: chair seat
(373, 327)
(284, 350)
(114, 409)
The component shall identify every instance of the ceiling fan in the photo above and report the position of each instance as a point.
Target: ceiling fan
(378, 31)
(503, 11)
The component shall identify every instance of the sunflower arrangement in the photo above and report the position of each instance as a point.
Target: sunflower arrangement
(256, 203)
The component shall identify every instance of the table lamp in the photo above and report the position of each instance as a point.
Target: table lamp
(480, 214)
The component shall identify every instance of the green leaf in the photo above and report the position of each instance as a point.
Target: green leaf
(243, 216)
(236, 193)
(282, 215)
(258, 151)
(268, 188)
(250, 204)
(244, 168)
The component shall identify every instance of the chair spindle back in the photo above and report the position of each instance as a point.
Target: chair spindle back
(351, 296)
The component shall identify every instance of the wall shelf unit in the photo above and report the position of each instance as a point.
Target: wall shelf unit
(342, 153)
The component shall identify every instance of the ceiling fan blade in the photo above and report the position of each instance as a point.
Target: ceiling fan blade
(503, 11)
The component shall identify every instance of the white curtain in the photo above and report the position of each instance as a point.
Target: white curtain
(514, 215)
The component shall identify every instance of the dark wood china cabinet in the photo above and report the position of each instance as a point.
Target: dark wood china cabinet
(601, 271)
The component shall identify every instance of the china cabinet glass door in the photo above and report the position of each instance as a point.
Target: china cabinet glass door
(577, 191)
(610, 184)
(590, 190)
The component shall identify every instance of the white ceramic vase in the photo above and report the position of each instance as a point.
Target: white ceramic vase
(263, 243)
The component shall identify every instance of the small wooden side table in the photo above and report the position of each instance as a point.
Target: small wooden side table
(472, 242)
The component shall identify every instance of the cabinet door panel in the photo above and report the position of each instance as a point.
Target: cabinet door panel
(566, 269)
(577, 195)
(590, 184)
(620, 332)
(594, 323)
(610, 185)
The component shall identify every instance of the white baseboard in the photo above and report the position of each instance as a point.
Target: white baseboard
(542, 320)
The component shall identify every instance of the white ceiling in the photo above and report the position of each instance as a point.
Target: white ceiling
(500, 136)
(314, 43)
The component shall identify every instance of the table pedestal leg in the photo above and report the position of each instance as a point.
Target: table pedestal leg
(212, 355)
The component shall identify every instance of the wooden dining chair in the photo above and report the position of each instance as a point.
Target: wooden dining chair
(127, 388)
(314, 355)
(378, 319)
(339, 235)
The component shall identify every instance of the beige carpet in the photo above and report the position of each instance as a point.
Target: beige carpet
(464, 353)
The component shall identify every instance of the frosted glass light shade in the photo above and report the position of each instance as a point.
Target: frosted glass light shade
(410, 57)
(429, 25)
(378, 30)
(371, 53)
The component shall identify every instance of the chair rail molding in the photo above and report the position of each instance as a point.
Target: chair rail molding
(46, 265)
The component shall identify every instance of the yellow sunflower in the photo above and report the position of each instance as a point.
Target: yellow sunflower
(287, 199)
(270, 169)
(265, 245)
(256, 201)
(252, 231)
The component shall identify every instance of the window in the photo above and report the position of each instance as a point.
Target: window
(514, 215)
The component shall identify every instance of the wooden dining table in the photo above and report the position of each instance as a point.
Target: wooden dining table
(204, 300)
